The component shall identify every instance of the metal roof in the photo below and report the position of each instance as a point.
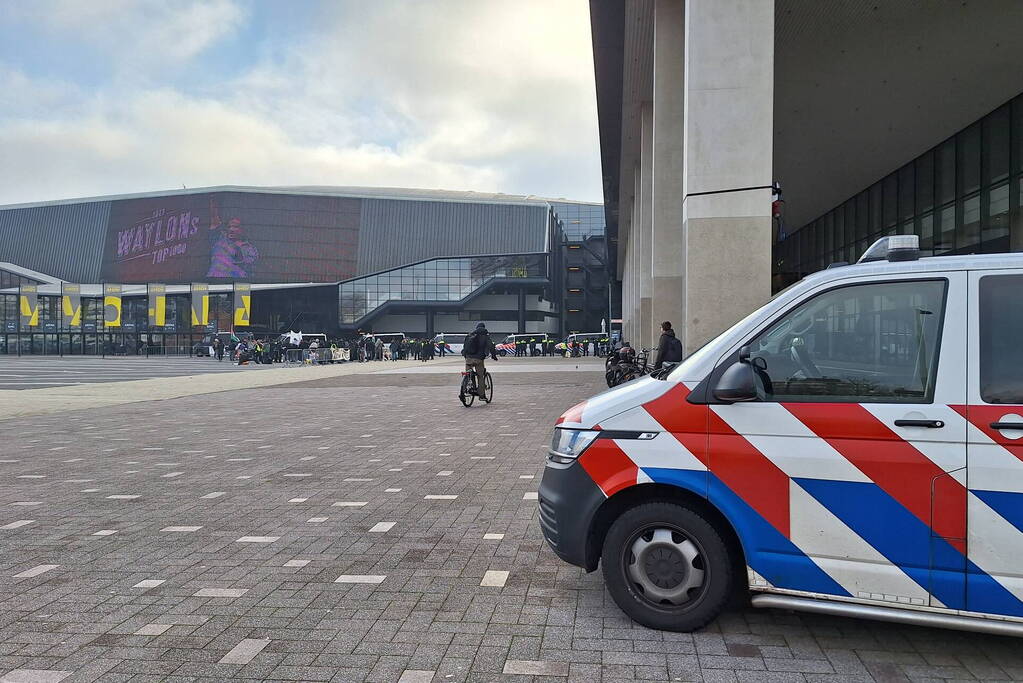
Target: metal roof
(462, 196)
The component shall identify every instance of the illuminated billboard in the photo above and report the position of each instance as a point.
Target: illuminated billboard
(228, 236)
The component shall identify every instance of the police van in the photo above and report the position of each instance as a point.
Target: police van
(452, 340)
(536, 338)
(854, 447)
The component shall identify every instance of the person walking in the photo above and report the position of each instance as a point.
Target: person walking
(669, 348)
(218, 348)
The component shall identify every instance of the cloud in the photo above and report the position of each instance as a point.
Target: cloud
(134, 34)
(460, 94)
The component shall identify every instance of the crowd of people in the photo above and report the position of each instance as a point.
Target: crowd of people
(367, 348)
(328, 350)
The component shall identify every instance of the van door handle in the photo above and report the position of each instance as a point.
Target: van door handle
(933, 424)
(1007, 425)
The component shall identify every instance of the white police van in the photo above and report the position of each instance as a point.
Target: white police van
(854, 447)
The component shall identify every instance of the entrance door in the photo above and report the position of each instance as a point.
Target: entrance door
(995, 447)
(853, 456)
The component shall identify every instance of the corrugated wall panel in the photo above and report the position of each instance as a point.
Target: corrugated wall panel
(396, 233)
(65, 241)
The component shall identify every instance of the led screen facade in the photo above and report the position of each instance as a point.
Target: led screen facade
(228, 236)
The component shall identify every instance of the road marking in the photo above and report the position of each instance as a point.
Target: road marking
(36, 571)
(494, 578)
(360, 578)
(245, 651)
(17, 525)
(220, 592)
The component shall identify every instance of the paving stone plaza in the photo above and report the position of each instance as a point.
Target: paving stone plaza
(358, 527)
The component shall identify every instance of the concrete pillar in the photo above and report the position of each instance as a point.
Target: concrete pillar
(667, 266)
(625, 255)
(729, 106)
(522, 311)
(636, 232)
(644, 202)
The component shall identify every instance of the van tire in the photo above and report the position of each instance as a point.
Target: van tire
(667, 567)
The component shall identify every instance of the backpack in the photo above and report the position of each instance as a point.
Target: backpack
(472, 345)
(673, 351)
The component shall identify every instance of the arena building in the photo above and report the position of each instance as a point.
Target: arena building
(331, 260)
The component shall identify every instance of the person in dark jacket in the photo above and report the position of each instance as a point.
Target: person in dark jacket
(669, 348)
(476, 347)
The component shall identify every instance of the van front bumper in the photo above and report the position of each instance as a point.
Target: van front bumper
(569, 499)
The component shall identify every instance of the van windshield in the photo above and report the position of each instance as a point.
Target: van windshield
(679, 373)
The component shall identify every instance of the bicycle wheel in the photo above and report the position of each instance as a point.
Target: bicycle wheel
(488, 388)
(467, 394)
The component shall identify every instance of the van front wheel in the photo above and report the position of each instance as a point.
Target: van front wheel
(667, 567)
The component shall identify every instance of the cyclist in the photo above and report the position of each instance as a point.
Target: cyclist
(476, 347)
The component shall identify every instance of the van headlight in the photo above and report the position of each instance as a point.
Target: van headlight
(569, 444)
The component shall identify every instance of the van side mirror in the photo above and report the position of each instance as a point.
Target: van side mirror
(736, 384)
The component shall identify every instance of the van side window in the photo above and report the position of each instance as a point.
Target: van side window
(1001, 333)
(863, 343)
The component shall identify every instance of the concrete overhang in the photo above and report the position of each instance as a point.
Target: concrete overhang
(861, 88)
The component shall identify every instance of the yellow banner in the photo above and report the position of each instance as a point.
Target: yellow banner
(111, 305)
(28, 305)
(157, 305)
(200, 303)
(71, 304)
(242, 304)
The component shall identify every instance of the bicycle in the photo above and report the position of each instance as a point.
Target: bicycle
(469, 390)
(627, 370)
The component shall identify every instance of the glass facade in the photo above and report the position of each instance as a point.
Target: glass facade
(439, 280)
(961, 197)
(9, 279)
(579, 221)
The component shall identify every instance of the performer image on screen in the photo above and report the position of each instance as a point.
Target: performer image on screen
(231, 255)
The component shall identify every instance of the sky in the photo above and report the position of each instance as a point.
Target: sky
(119, 96)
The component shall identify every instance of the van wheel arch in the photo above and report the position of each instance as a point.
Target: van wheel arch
(640, 494)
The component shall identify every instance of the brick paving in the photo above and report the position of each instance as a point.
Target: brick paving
(310, 534)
